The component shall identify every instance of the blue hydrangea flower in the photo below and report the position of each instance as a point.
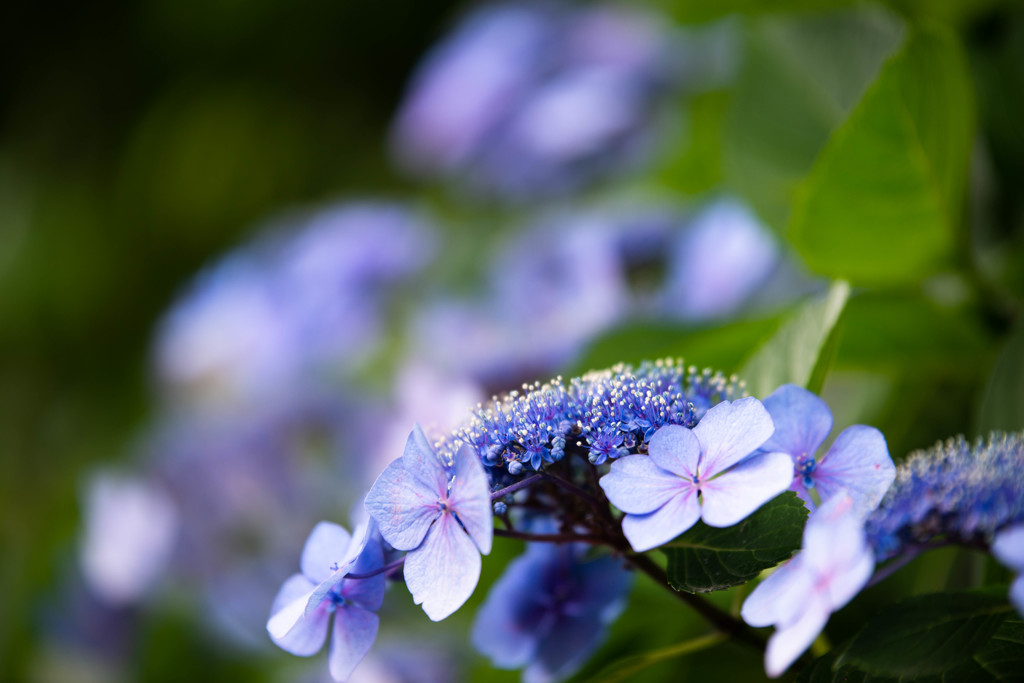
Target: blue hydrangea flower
(550, 610)
(833, 566)
(439, 509)
(1008, 547)
(955, 491)
(704, 473)
(302, 611)
(858, 462)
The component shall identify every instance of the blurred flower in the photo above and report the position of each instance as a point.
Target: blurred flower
(301, 613)
(706, 473)
(131, 527)
(438, 509)
(550, 610)
(833, 566)
(1008, 547)
(531, 99)
(858, 463)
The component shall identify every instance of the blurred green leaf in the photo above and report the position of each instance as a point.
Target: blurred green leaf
(694, 165)
(708, 558)
(799, 78)
(799, 351)
(1002, 403)
(693, 11)
(928, 634)
(883, 201)
(625, 669)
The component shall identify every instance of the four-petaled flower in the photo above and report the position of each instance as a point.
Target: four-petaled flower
(1008, 547)
(441, 513)
(550, 610)
(858, 462)
(705, 473)
(798, 598)
(301, 613)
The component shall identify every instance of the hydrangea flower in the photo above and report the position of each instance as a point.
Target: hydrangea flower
(858, 462)
(833, 566)
(550, 610)
(1008, 547)
(438, 509)
(301, 613)
(704, 473)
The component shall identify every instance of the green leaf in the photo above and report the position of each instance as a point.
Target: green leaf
(625, 669)
(799, 78)
(1003, 656)
(883, 201)
(1002, 403)
(928, 634)
(694, 11)
(795, 353)
(709, 558)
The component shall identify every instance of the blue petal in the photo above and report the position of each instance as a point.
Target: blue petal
(324, 551)
(779, 598)
(1008, 547)
(570, 644)
(1017, 594)
(802, 421)
(442, 573)
(659, 527)
(422, 462)
(402, 506)
(730, 497)
(291, 628)
(791, 639)
(471, 498)
(505, 629)
(729, 432)
(366, 593)
(676, 449)
(355, 629)
(635, 484)
(858, 462)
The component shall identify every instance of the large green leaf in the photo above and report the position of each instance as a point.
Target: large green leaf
(701, 10)
(884, 199)
(928, 634)
(709, 558)
(798, 353)
(626, 669)
(1002, 404)
(799, 78)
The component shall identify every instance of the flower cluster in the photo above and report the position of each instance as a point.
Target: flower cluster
(955, 492)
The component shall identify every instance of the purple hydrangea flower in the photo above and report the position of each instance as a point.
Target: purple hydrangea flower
(833, 566)
(301, 613)
(550, 610)
(704, 473)
(440, 511)
(858, 462)
(1008, 547)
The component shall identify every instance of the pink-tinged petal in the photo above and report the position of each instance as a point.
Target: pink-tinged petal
(355, 629)
(790, 640)
(780, 597)
(1017, 594)
(676, 449)
(294, 631)
(858, 462)
(802, 421)
(661, 526)
(850, 579)
(1008, 547)
(402, 506)
(833, 536)
(729, 432)
(730, 497)
(325, 551)
(366, 593)
(422, 462)
(471, 498)
(442, 573)
(635, 484)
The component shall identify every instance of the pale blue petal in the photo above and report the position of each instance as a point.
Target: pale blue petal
(296, 586)
(422, 462)
(471, 498)
(1008, 547)
(858, 462)
(442, 573)
(1017, 594)
(402, 506)
(325, 551)
(790, 640)
(661, 526)
(802, 421)
(779, 597)
(833, 536)
(355, 629)
(729, 432)
(366, 593)
(635, 484)
(676, 449)
(294, 631)
(730, 497)
(850, 578)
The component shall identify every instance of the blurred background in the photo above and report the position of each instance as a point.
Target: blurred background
(245, 246)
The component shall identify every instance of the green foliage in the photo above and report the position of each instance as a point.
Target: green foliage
(625, 669)
(1002, 403)
(708, 558)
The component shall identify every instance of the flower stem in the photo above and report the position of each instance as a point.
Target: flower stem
(386, 569)
(552, 538)
(512, 488)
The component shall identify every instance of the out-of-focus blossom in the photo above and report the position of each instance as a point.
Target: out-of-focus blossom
(1008, 547)
(438, 509)
(550, 610)
(709, 473)
(131, 527)
(833, 566)
(536, 99)
(857, 464)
